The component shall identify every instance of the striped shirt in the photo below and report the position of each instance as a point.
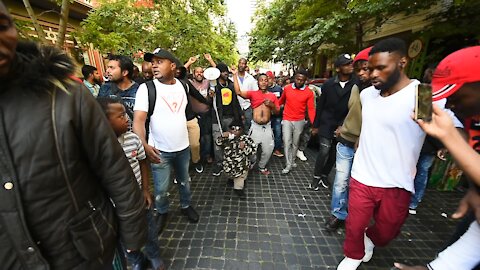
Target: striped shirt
(133, 148)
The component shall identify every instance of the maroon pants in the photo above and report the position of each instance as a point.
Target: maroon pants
(387, 206)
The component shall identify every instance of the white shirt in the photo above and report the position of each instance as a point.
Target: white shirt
(168, 124)
(390, 141)
(249, 84)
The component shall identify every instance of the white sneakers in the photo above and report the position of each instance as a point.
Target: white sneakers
(352, 264)
(301, 155)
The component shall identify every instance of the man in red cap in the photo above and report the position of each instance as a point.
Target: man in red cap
(347, 138)
(457, 78)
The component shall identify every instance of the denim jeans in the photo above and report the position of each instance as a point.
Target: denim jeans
(248, 118)
(277, 132)
(152, 249)
(343, 168)
(424, 163)
(179, 161)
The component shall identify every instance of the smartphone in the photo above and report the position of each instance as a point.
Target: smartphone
(423, 102)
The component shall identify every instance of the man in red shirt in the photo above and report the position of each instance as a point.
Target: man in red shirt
(297, 97)
(264, 104)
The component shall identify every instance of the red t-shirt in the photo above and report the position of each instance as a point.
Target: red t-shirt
(258, 97)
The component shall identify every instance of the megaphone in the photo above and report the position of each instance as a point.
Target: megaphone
(212, 75)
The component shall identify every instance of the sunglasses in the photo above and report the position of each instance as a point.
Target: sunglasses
(235, 128)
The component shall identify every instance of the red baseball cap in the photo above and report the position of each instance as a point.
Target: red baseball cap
(270, 74)
(458, 68)
(362, 55)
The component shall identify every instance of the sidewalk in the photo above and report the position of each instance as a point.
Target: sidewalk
(279, 225)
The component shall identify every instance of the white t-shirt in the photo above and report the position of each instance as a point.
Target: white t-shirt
(248, 84)
(390, 141)
(168, 124)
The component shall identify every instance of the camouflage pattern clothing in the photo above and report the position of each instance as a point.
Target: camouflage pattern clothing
(235, 160)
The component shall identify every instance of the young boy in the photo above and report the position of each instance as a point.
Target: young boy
(133, 148)
(236, 151)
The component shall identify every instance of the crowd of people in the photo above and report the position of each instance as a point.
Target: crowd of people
(87, 167)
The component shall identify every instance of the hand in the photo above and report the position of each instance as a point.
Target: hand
(442, 153)
(207, 56)
(148, 198)
(268, 103)
(211, 93)
(471, 200)
(153, 154)
(441, 125)
(192, 59)
(405, 267)
(225, 134)
(234, 70)
(314, 131)
(337, 131)
(241, 145)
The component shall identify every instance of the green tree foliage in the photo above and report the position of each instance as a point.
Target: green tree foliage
(293, 30)
(187, 28)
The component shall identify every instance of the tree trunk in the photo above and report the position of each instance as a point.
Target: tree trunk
(38, 27)
(64, 10)
(359, 36)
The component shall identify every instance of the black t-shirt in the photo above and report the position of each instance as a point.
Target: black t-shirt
(227, 94)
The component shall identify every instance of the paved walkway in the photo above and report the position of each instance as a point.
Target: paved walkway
(279, 226)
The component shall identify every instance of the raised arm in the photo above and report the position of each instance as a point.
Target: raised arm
(210, 60)
(191, 60)
(236, 85)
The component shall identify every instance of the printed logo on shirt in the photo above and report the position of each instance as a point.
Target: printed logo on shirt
(174, 101)
(226, 96)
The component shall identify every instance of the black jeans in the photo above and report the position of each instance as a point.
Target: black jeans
(326, 157)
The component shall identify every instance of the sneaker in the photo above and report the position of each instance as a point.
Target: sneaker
(191, 214)
(264, 171)
(349, 264)
(333, 223)
(323, 182)
(277, 153)
(199, 167)
(301, 155)
(175, 181)
(369, 246)
(286, 170)
(412, 211)
(294, 165)
(314, 182)
(157, 264)
(217, 170)
(240, 193)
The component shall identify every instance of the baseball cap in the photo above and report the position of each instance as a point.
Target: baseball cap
(270, 74)
(343, 59)
(161, 53)
(222, 67)
(454, 71)
(362, 55)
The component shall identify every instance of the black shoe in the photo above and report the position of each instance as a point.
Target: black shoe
(140, 266)
(198, 167)
(191, 214)
(161, 222)
(230, 182)
(333, 223)
(217, 170)
(240, 193)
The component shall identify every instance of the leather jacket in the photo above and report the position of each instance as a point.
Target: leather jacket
(61, 167)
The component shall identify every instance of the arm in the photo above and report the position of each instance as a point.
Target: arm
(320, 105)
(194, 93)
(210, 60)
(283, 97)
(236, 85)
(145, 183)
(311, 107)
(442, 128)
(191, 60)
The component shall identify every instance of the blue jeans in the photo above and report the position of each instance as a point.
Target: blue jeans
(152, 249)
(277, 132)
(343, 168)
(179, 161)
(424, 163)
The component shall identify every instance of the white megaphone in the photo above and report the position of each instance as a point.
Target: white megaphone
(212, 75)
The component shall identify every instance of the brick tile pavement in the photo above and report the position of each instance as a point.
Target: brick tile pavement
(279, 226)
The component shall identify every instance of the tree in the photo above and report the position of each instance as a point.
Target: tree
(184, 27)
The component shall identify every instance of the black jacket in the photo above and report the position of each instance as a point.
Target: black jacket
(332, 107)
(60, 164)
(237, 110)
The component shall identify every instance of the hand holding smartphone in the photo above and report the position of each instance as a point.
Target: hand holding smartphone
(423, 102)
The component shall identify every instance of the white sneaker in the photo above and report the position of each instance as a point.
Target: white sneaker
(301, 155)
(412, 211)
(349, 264)
(369, 246)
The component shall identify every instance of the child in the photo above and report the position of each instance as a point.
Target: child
(236, 151)
(133, 148)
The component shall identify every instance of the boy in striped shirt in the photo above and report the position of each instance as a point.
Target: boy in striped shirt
(133, 148)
